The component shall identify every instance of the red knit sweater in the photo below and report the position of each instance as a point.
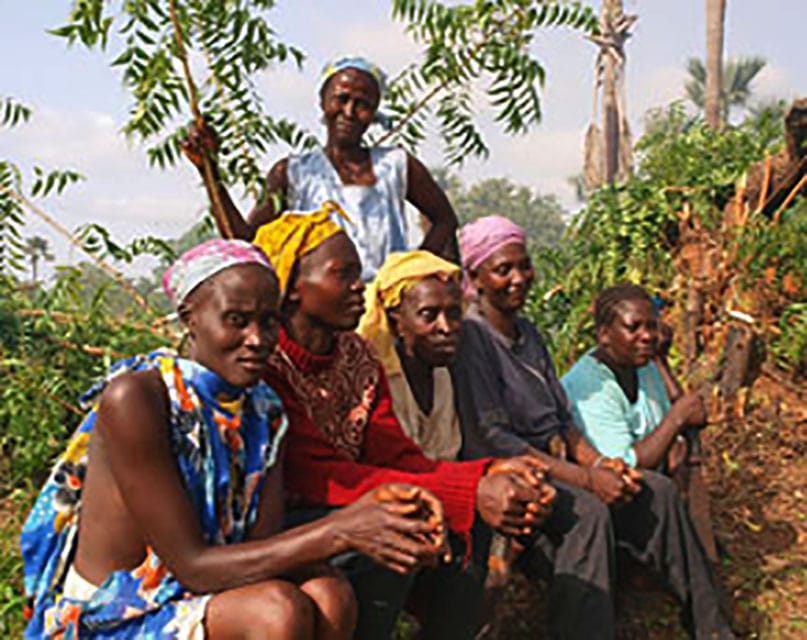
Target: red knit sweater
(344, 438)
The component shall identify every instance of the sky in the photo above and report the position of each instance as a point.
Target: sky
(79, 103)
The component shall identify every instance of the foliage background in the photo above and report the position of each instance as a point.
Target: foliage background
(56, 339)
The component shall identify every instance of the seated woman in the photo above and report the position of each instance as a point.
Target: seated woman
(413, 321)
(372, 184)
(511, 402)
(622, 393)
(344, 438)
(162, 517)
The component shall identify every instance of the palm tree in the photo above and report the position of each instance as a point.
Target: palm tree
(737, 76)
(713, 81)
(37, 248)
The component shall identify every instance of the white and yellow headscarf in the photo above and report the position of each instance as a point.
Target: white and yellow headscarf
(400, 272)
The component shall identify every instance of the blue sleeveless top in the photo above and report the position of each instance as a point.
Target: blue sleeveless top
(378, 224)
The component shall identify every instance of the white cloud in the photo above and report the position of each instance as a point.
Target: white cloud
(287, 91)
(121, 192)
(542, 160)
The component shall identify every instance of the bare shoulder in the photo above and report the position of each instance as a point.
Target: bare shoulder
(132, 401)
(133, 385)
(278, 174)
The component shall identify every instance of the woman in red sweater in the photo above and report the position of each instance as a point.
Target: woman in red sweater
(344, 438)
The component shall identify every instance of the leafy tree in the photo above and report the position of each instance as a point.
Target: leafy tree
(472, 46)
(37, 248)
(542, 216)
(467, 45)
(629, 231)
(735, 92)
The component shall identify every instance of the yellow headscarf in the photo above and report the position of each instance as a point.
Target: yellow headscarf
(400, 272)
(292, 235)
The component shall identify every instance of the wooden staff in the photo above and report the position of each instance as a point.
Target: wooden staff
(193, 99)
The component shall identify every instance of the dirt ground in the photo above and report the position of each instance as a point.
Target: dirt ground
(758, 479)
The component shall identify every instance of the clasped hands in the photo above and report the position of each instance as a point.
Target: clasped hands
(399, 526)
(613, 481)
(403, 527)
(514, 495)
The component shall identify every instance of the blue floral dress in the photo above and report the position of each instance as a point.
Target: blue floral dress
(224, 439)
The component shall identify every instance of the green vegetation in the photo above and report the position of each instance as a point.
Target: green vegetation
(56, 339)
(630, 232)
(541, 215)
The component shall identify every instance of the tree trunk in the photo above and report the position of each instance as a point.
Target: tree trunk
(610, 120)
(715, 21)
(611, 9)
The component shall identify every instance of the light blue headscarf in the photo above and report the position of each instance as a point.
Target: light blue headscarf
(354, 62)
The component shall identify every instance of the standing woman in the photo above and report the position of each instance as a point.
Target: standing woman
(371, 184)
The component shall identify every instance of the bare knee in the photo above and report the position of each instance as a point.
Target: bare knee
(272, 609)
(336, 604)
(289, 610)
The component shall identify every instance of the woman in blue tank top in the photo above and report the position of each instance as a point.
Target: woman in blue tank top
(371, 184)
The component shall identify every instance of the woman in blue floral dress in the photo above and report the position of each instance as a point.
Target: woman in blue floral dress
(160, 520)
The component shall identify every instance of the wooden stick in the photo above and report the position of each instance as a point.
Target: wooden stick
(791, 196)
(766, 182)
(44, 394)
(779, 193)
(193, 100)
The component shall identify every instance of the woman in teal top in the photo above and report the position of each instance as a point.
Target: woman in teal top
(622, 393)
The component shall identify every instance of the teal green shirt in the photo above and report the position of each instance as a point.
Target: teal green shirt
(603, 412)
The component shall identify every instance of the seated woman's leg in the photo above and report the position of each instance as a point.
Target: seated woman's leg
(335, 608)
(273, 609)
(656, 530)
(575, 545)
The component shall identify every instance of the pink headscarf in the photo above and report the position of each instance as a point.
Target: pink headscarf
(480, 239)
(205, 260)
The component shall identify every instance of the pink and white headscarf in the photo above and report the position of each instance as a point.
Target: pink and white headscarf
(205, 260)
(480, 239)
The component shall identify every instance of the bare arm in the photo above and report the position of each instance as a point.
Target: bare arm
(133, 420)
(671, 385)
(277, 186)
(580, 448)
(202, 140)
(687, 411)
(423, 192)
(604, 483)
